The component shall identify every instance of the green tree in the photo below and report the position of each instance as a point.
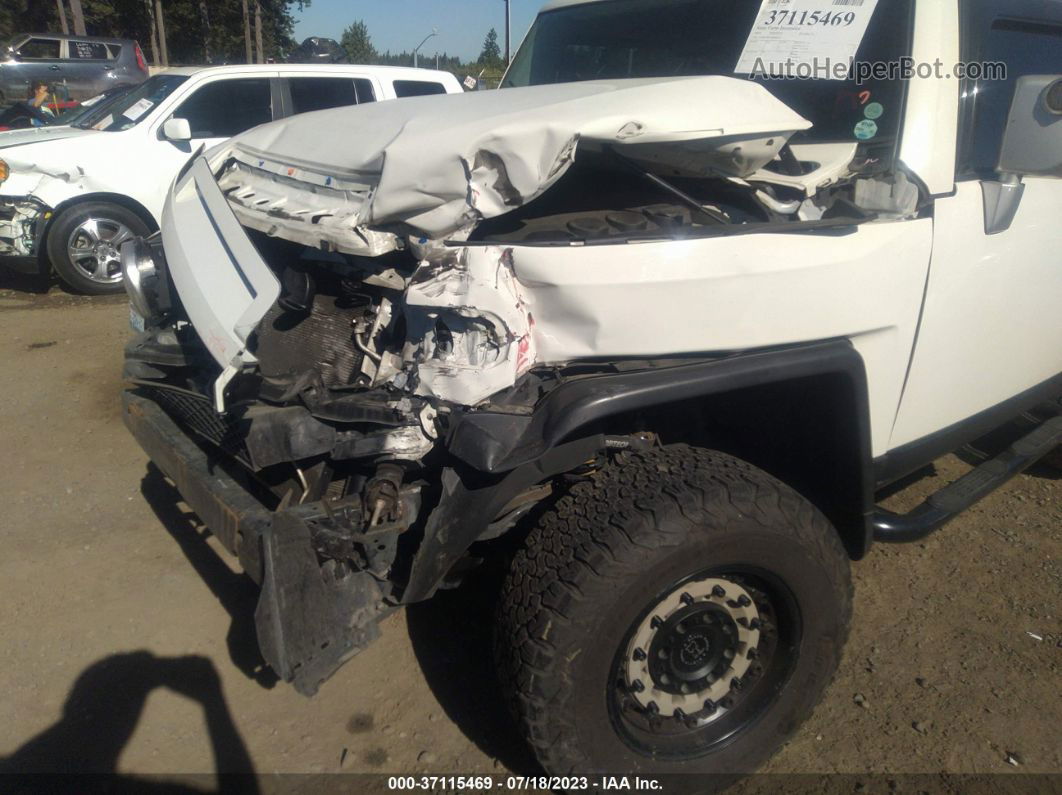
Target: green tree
(358, 44)
(491, 55)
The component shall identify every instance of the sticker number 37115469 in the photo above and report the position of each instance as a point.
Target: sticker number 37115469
(824, 34)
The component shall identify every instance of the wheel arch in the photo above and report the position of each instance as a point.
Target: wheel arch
(800, 413)
(125, 202)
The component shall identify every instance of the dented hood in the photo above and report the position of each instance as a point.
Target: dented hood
(441, 164)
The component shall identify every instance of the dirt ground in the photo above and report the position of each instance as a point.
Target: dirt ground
(128, 644)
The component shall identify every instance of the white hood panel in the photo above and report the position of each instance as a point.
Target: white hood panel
(441, 164)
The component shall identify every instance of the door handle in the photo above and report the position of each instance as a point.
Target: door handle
(54, 68)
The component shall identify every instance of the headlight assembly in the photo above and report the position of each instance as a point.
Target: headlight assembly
(5, 172)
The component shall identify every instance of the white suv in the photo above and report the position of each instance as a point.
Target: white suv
(70, 196)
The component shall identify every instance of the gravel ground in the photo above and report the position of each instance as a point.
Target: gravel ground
(128, 643)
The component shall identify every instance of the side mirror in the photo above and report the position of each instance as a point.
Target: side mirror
(1032, 142)
(1032, 146)
(177, 130)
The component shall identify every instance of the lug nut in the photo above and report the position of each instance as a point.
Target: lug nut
(686, 599)
(637, 686)
(656, 622)
(679, 714)
(736, 683)
(755, 624)
(718, 592)
(638, 655)
(652, 708)
(744, 601)
(753, 654)
(710, 706)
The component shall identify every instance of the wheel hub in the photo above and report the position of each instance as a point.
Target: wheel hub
(94, 247)
(693, 648)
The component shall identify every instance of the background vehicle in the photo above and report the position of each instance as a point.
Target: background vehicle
(316, 49)
(77, 67)
(72, 195)
(671, 337)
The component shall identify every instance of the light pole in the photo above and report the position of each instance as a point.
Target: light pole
(508, 28)
(416, 61)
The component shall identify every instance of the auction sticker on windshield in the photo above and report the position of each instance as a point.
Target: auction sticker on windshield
(791, 33)
(138, 109)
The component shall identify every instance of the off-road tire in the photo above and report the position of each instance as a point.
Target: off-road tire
(59, 235)
(612, 543)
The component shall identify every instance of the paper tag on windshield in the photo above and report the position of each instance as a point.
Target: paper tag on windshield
(806, 38)
(138, 109)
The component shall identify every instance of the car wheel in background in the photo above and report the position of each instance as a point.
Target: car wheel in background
(84, 244)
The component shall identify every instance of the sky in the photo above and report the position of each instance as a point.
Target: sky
(398, 25)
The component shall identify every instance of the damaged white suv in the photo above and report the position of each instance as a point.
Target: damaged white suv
(664, 327)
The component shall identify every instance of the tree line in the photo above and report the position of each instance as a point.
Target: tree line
(357, 43)
(218, 31)
(169, 31)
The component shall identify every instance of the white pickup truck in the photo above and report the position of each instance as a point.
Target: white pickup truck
(664, 325)
(71, 195)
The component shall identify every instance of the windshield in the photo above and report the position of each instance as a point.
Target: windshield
(670, 38)
(76, 114)
(132, 108)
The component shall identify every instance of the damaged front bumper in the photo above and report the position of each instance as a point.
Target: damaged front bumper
(310, 619)
(22, 222)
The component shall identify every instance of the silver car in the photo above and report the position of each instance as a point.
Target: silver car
(75, 67)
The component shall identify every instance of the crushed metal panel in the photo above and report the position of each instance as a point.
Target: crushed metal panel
(439, 165)
(469, 328)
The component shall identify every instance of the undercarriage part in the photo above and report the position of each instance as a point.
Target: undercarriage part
(311, 618)
(382, 495)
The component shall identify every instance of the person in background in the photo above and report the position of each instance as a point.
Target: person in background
(36, 98)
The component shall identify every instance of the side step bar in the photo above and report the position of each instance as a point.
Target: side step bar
(952, 500)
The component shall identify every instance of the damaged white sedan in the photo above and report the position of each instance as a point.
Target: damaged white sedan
(665, 327)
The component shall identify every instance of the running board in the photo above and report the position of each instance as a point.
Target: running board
(955, 498)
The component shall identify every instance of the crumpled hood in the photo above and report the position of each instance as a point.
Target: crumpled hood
(441, 164)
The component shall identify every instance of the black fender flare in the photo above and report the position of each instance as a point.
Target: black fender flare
(516, 451)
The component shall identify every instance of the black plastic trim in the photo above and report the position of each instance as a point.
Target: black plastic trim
(499, 442)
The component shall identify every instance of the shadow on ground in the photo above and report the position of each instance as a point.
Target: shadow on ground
(81, 750)
(236, 592)
(451, 637)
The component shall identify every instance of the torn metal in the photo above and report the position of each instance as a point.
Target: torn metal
(434, 167)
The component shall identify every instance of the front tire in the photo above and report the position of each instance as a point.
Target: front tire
(84, 243)
(633, 605)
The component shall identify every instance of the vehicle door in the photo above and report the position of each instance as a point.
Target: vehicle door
(36, 58)
(992, 323)
(307, 92)
(227, 106)
(89, 68)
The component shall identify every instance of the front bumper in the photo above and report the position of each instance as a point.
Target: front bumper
(309, 619)
(22, 223)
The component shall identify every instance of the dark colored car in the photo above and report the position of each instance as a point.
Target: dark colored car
(318, 50)
(75, 67)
